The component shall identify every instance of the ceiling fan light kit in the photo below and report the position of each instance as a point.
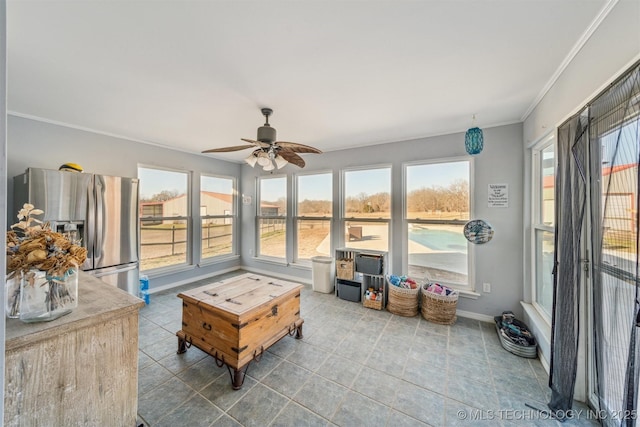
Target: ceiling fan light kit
(280, 161)
(263, 159)
(251, 160)
(270, 153)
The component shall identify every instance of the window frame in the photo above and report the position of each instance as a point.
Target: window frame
(470, 286)
(259, 217)
(233, 216)
(188, 219)
(297, 218)
(344, 219)
(537, 206)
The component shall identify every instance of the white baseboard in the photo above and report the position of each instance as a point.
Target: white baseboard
(192, 279)
(278, 275)
(475, 316)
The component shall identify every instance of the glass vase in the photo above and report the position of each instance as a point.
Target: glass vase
(44, 298)
(12, 295)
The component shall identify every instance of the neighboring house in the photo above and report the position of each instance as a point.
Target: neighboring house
(621, 181)
(620, 206)
(211, 203)
(151, 210)
(268, 210)
(176, 207)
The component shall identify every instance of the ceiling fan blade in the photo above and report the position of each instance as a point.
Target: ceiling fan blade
(297, 148)
(292, 158)
(228, 149)
(258, 143)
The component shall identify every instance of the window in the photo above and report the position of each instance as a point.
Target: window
(217, 211)
(272, 217)
(437, 205)
(543, 218)
(164, 218)
(367, 208)
(314, 200)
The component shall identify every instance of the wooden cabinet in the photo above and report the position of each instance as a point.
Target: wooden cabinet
(357, 270)
(78, 370)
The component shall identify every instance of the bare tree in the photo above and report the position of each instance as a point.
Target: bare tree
(315, 207)
(162, 196)
(454, 198)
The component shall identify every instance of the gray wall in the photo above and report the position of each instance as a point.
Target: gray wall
(613, 46)
(34, 143)
(499, 262)
(611, 49)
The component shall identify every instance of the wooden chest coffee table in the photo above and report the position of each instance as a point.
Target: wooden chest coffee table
(237, 319)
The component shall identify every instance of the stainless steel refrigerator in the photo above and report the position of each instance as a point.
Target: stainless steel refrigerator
(99, 211)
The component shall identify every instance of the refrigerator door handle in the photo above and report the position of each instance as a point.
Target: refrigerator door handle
(125, 277)
(90, 227)
(99, 239)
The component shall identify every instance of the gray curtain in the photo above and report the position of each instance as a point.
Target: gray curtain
(599, 157)
(615, 134)
(571, 188)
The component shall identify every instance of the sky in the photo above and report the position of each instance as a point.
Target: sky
(154, 181)
(315, 186)
(436, 174)
(368, 181)
(627, 148)
(272, 189)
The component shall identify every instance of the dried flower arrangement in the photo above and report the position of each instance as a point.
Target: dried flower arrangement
(31, 244)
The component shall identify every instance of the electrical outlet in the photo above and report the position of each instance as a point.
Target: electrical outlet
(486, 287)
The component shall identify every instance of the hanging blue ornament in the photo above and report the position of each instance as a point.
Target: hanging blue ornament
(474, 141)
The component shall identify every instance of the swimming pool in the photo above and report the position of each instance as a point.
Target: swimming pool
(439, 240)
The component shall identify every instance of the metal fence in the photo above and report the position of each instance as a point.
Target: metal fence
(175, 238)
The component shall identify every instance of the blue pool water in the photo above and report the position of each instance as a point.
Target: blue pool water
(439, 240)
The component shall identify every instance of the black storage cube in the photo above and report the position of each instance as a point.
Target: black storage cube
(369, 263)
(348, 290)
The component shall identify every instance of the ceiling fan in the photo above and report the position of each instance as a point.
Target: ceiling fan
(270, 153)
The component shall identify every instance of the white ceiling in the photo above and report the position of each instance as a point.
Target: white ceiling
(194, 74)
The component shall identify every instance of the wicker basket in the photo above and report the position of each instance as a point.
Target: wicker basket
(439, 309)
(403, 301)
(375, 304)
(344, 268)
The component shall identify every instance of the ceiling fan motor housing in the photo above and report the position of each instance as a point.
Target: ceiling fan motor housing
(266, 134)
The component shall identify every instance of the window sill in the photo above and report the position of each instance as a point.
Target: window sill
(164, 271)
(273, 261)
(217, 260)
(468, 294)
(283, 263)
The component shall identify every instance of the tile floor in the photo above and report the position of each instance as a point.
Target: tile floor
(354, 367)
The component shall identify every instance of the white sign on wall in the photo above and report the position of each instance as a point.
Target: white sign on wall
(498, 195)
